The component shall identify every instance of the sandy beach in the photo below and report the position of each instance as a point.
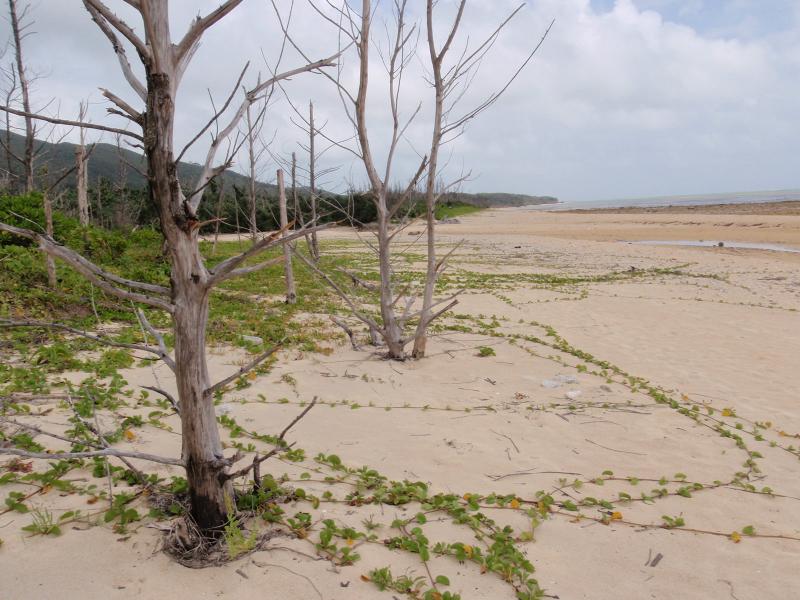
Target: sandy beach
(565, 403)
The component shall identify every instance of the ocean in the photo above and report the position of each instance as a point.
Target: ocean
(693, 200)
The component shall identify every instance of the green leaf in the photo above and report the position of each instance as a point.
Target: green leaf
(442, 580)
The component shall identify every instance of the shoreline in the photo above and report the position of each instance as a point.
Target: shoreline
(783, 207)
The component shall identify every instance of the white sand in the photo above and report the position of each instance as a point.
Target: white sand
(729, 344)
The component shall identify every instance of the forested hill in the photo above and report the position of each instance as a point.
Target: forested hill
(107, 162)
(498, 199)
(116, 165)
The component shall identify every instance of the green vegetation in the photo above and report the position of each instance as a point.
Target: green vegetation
(452, 210)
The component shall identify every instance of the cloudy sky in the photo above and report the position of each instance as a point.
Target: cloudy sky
(626, 98)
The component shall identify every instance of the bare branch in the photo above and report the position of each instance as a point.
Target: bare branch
(93, 454)
(250, 97)
(216, 116)
(162, 346)
(342, 294)
(281, 445)
(97, 7)
(21, 113)
(227, 268)
(119, 49)
(89, 270)
(199, 26)
(8, 324)
(170, 398)
(347, 330)
(245, 369)
(127, 109)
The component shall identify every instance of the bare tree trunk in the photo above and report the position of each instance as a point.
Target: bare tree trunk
(12, 88)
(251, 190)
(82, 173)
(26, 102)
(314, 246)
(202, 448)
(299, 216)
(431, 270)
(291, 293)
(48, 223)
(392, 330)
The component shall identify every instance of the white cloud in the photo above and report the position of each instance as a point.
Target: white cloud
(620, 102)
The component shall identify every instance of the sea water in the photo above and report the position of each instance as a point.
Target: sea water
(693, 200)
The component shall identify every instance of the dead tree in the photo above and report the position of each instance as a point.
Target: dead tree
(312, 180)
(450, 82)
(10, 96)
(18, 33)
(164, 62)
(82, 173)
(291, 292)
(393, 206)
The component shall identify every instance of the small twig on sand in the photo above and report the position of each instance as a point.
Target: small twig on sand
(507, 437)
(296, 574)
(613, 449)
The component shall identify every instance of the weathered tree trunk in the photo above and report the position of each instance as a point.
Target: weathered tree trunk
(312, 178)
(291, 293)
(431, 270)
(299, 217)
(27, 162)
(202, 449)
(392, 331)
(82, 186)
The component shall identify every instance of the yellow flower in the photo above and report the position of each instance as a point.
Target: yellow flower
(736, 537)
(616, 516)
(349, 542)
(727, 412)
(129, 435)
(514, 503)
(468, 550)
(467, 497)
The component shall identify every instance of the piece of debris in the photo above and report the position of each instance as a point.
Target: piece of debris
(558, 381)
(253, 339)
(652, 561)
(223, 409)
(573, 394)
